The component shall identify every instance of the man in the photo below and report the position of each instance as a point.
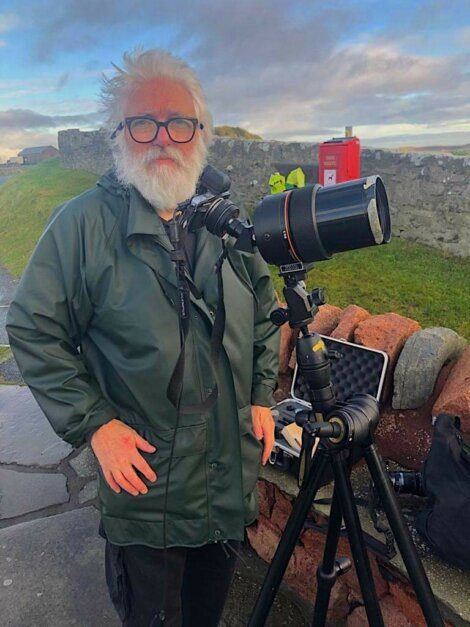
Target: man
(95, 330)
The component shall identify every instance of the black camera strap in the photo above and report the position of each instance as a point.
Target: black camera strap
(175, 385)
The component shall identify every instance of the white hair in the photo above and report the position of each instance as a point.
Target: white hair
(140, 66)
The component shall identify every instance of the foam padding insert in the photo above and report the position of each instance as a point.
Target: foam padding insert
(358, 370)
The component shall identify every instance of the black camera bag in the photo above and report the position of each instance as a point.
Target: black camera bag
(445, 523)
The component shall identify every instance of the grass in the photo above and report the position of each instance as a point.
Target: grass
(5, 353)
(26, 200)
(411, 279)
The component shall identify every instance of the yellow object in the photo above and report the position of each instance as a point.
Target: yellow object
(295, 178)
(318, 346)
(277, 183)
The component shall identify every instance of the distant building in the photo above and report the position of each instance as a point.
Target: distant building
(15, 161)
(37, 153)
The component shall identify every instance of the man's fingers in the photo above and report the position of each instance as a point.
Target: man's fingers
(143, 444)
(112, 484)
(124, 483)
(257, 429)
(139, 462)
(133, 478)
(268, 443)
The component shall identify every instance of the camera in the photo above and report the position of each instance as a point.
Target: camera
(297, 226)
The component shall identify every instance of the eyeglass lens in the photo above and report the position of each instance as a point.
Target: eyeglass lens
(144, 130)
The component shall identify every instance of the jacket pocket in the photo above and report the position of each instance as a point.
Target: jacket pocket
(251, 449)
(187, 487)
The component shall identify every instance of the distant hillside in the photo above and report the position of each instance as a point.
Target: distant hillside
(459, 151)
(235, 132)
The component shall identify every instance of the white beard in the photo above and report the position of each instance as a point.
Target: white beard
(165, 185)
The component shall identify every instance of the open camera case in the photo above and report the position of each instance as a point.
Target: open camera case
(356, 369)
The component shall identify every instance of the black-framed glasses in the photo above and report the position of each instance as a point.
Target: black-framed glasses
(144, 129)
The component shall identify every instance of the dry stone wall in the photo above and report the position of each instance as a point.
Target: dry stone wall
(429, 194)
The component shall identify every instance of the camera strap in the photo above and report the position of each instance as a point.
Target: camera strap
(175, 385)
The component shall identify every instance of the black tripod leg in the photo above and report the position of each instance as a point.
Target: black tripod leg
(402, 536)
(327, 572)
(356, 541)
(288, 540)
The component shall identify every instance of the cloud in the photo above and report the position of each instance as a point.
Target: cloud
(284, 69)
(8, 21)
(17, 119)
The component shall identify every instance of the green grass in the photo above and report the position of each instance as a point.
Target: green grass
(5, 353)
(26, 201)
(417, 281)
(411, 279)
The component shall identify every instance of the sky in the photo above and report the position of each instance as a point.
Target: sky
(398, 71)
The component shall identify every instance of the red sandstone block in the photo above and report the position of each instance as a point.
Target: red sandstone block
(266, 497)
(392, 616)
(282, 509)
(288, 338)
(455, 397)
(386, 332)
(349, 320)
(314, 542)
(264, 538)
(326, 319)
(405, 601)
(324, 322)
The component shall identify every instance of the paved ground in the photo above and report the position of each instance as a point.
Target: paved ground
(9, 372)
(51, 557)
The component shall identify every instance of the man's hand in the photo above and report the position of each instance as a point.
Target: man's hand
(263, 428)
(116, 445)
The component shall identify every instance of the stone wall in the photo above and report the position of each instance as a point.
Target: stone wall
(429, 195)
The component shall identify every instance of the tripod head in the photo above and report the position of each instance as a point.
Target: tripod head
(302, 306)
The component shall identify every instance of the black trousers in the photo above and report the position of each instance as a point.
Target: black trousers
(197, 587)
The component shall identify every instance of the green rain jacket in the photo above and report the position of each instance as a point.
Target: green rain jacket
(95, 332)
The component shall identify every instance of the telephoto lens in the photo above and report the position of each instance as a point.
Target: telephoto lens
(314, 222)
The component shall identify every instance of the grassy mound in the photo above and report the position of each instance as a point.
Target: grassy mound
(26, 200)
(408, 278)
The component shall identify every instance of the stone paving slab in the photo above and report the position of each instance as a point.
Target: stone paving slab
(85, 463)
(88, 492)
(24, 492)
(9, 373)
(52, 573)
(7, 286)
(3, 317)
(27, 438)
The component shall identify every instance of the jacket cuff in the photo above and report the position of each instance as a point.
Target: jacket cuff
(262, 394)
(101, 413)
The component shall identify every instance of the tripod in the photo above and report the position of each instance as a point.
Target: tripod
(345, 430)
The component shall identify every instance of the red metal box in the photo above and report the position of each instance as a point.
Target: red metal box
(339, 160)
